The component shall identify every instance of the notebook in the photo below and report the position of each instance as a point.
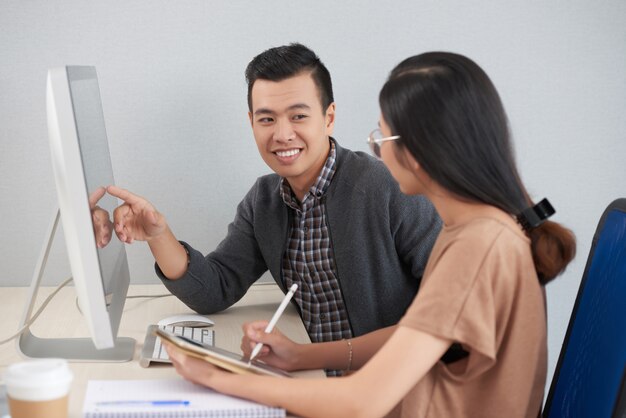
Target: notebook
(166, 398)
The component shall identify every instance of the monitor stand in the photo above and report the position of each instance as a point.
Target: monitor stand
(72, 349)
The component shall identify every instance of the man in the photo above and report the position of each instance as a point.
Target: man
(330, 219)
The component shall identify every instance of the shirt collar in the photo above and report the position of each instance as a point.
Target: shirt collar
(319, 187)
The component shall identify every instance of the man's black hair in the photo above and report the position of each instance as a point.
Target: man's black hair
(282, 62)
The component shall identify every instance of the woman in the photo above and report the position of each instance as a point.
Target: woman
(473, 343)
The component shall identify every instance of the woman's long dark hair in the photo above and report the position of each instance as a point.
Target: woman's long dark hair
(451, 119)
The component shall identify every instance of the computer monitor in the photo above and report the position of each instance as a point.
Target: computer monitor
(81, 163)
(590, 375)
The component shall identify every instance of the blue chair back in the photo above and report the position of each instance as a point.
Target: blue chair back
(588, 380)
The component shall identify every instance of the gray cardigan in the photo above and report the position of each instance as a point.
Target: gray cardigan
(380, 238)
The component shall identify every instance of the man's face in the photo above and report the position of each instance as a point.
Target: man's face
(291, 129)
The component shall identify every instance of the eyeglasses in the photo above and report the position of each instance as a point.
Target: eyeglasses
(375, 140)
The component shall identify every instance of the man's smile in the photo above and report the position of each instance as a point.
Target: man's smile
(288, 154)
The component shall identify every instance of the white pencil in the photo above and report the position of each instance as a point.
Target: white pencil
(274, 320)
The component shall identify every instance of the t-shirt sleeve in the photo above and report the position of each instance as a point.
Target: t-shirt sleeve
(456, 301)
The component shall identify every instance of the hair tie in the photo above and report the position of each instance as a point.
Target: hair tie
(534, 216)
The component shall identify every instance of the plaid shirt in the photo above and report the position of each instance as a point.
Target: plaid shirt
(309, 260)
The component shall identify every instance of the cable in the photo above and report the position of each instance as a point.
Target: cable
(41, 308)
(53, 294)
(127, 297)
(49, 298)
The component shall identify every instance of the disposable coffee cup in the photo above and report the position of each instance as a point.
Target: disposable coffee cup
(38, 388)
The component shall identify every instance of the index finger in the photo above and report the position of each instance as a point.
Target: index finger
(123, 194)
(251, 328)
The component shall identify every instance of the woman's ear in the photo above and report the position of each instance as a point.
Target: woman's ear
(411, 161)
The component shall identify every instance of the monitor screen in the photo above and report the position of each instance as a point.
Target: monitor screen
(96, 164)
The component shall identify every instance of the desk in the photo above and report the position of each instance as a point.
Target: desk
(62, 319)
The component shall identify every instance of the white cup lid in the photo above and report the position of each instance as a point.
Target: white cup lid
(38, 379)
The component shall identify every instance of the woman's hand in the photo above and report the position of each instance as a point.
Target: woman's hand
(278, 350)
(195, 370)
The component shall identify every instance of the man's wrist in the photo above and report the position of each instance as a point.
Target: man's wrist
(171, 255)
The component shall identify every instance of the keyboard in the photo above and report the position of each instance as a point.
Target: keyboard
(154, 352)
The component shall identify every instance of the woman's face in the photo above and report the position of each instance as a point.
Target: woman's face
(400, 163)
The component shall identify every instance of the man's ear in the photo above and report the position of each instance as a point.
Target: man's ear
(250, 117)
(330, 118)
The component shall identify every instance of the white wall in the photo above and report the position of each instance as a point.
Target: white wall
(173, 91)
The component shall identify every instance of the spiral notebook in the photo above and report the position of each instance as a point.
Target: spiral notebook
(175, 398)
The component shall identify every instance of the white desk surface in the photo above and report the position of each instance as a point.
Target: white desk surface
(62, 319)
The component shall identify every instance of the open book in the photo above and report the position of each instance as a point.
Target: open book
(219, 357)
(166, 398)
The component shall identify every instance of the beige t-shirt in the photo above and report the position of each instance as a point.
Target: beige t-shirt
(480, 289)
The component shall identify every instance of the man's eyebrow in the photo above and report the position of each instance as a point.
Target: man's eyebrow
(263, 111)
(297, 106)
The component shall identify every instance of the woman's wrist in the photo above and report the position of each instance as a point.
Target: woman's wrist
(315, 356)
(305, 357)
